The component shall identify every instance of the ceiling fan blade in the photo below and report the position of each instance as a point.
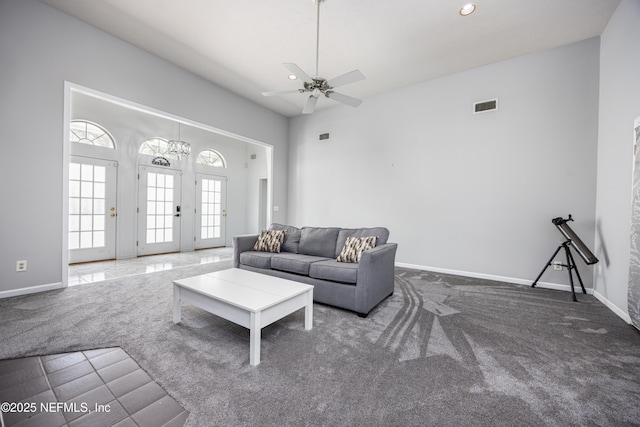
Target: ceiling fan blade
(348, 100)
(310, 106)
(297, 71)
(280, 92)
(345, 79)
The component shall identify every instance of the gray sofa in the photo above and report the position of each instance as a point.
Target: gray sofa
(308, 255)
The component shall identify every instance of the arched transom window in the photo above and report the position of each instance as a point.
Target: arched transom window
(85, 132)
(157, 147)
(211, 158)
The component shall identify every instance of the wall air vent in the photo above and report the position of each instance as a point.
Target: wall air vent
(323, 136)
(484, 106)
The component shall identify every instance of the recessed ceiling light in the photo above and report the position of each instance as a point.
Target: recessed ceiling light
(467, 9)
(292, 77)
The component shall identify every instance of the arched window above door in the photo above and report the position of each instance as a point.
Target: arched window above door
(212, 158)
(157, 147)
(84, 132)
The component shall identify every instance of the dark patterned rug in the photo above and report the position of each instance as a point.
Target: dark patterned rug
(443, 350)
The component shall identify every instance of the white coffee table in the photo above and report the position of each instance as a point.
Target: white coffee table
(248, 299)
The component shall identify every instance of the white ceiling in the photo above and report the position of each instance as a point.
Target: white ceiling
(241, 44)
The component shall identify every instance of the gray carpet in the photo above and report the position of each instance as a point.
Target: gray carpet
(443, 350)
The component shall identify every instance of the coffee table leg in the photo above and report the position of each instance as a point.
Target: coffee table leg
(308, 311)
(177, 307)
(254, 339)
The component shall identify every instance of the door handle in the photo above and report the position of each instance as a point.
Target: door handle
(177, 214)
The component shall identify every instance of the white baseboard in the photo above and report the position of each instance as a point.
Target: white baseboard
(30, 290)
(624, 316)
(546, 285)
(514, 280)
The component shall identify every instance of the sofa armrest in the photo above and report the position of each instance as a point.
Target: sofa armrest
(375, 276)
(241, 244)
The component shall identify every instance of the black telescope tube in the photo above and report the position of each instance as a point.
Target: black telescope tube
(575, 241)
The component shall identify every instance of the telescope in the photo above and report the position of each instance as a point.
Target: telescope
(572, 240)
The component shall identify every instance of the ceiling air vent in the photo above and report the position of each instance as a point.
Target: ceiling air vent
(484, 106)
(323, 136)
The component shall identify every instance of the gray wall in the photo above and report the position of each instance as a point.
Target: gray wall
(619, 106)
(40, 49)
(256, 170)
(463, 193)
(472, 194)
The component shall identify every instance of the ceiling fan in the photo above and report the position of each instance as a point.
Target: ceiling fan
(317, 85)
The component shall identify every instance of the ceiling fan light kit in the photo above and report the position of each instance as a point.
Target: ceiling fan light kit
(317, 85)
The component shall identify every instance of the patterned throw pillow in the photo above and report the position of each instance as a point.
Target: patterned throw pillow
(269, 241)
(354, 246)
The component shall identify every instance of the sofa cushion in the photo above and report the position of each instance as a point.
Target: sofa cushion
(269, 241)
(354, 246)
(294, 263)
(334, 271)
(381, 232)
(319, 241)
(291, 237)
(256, 259)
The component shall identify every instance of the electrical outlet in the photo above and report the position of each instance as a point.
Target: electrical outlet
(557, 265)
(21, 265)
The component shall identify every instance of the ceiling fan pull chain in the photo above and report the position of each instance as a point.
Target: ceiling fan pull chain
(318, 2)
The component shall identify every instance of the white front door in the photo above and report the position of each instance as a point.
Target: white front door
(92, 209)
(158, 210)
(211, 211)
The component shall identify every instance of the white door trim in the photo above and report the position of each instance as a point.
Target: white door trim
(218, 216)
(109, 214)
(166, 210)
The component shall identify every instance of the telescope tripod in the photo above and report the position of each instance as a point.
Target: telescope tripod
(570, 265)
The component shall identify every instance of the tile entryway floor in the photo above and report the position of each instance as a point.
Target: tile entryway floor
(104, 270)
(65, 389)
(103, 387)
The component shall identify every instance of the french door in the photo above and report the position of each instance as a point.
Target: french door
(211, 211)
(158, 210)
(92, 209)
